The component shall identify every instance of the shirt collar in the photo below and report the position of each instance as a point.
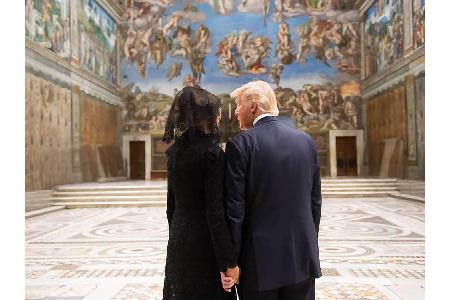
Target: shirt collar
(260, 117)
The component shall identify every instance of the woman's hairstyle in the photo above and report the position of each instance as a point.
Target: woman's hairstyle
(261, 93)
(194, 110)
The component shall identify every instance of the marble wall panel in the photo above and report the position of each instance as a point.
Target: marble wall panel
(48, 158)
(100, 151)
(387, 133)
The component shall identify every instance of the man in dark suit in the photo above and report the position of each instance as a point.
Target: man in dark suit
(273, 200)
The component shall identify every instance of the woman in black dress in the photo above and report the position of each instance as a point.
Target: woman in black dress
(199, 244)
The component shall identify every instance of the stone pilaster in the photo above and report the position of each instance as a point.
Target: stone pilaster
(76, 138)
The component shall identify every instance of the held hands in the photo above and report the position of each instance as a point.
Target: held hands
(230, 278)
(234, 273)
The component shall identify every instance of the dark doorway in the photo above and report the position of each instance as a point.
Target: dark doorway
(346, 156)
(137, 160)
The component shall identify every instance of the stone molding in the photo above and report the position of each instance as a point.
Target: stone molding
(127, 138)
(59, 69)
(359, 149)
(412, 64)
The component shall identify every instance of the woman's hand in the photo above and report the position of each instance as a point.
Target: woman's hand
(227, 282)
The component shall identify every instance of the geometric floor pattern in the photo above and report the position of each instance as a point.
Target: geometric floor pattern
(370, 248)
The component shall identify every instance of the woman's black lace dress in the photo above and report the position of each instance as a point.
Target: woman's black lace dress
(199, 242)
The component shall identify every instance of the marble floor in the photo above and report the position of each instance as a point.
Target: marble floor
(371, 248)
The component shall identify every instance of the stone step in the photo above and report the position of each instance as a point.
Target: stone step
(162, 192)
(359, 188)
(35, 200)
(358, 184)
(351, 194)
(113, 204)
(111, 188)
(358, 180)
(42, 211)
(109, 199)
(409, 197)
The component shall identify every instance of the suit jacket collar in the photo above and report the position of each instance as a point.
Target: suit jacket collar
(266, 119)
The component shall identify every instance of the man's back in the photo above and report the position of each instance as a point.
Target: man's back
(274, 201)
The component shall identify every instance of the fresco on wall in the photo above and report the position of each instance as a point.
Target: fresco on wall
(47, 23)
(97, 40)
(317, 107)
(220, 45)
(419, 22)
(383, 34)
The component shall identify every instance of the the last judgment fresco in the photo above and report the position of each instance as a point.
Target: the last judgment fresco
(307, 49)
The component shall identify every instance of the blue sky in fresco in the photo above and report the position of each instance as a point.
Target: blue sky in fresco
(293, 76)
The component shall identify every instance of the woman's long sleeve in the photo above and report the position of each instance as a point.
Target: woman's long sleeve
(215, 215)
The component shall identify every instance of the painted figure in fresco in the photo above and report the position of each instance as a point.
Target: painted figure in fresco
(196, 64)
(128, 49)
(419, 22)
(159, 48)
(30, 19)
(183, 38)
(226, 59)
(174, 70)
(303, 49)
(223, 7)
(252, 59)
(336, 98)
(324, 107)
(141, 65)
(306, 105)
(333, 120)
(243, 36)
(47, 18)
(275, 73)
(172, 23)
(266, 6)
(351, 111)
(203, 37)
(145, 16)
(333, 33)
(349, 30)
(284, 44)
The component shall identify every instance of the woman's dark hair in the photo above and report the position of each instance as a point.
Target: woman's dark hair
(194, 110)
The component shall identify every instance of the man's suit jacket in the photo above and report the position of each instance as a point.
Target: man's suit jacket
(273, 204)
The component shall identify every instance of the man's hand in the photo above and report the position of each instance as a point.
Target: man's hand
(234, 273)
(227, 282)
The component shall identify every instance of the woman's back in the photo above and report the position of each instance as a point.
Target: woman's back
(199, 245)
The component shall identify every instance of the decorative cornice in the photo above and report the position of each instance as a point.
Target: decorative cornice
(56, 71)
(59, 69)
(412, 64)
(363, 6)
(94, 90)
(112, 8)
